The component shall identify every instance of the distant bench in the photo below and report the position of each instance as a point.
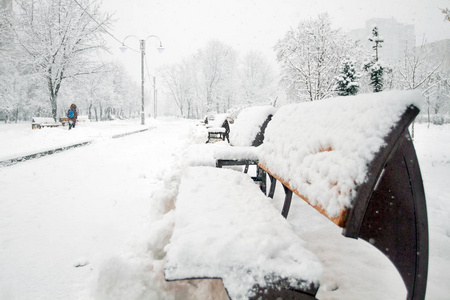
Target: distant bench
(246, 134)
(218, 127)
(351, 158)
(41, 122)
(81, 118)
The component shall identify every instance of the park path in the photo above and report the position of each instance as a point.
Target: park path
(63, 215)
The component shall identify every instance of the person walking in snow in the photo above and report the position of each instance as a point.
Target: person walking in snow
(72, 114)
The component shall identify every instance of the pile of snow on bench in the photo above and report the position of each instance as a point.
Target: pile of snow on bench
(248, 124)
(226, 228)
(322, 148)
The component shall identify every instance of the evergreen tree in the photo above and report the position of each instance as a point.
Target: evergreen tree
(374, 67)
(347, 80)
(376, 77)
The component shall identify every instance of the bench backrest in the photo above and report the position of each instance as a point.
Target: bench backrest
(249, 127)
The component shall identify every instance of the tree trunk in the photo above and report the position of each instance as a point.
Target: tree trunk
(90, 111)
(96, 114)
(53, 96)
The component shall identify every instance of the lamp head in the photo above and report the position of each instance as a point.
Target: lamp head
(161, 48)
(123, 48)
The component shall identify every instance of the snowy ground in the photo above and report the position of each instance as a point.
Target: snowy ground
(92, 222)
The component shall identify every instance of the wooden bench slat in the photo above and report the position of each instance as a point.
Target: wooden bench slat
(339, 220)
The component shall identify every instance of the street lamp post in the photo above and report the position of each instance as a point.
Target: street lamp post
(142, 48)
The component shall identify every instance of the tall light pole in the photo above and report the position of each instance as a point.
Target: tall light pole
(142, 48)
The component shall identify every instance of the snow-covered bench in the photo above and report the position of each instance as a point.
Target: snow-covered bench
(83, 119)
(80, 119)
(226, 228)
(246, 133)
(218, 128)
(249, 128)
(64, 120)
(352, 159)
(40, 122)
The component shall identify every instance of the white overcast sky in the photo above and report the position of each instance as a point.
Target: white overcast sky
(184, 26)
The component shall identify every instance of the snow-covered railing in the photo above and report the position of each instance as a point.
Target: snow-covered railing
(352, 159)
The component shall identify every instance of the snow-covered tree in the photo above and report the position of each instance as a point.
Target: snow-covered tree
(179, 79)
(376, 72)
(310, 56)
(416, 69)
(216, 69)
(103, 95)
(437, 94)
(446, 12)
(257, 78)
(58, 38)
(421, 69)
(376, 40)
(347, 80)
(374, 67)
(216, 79)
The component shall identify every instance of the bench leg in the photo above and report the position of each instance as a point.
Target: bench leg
(287, 202)
(273, 184)
(261, 176)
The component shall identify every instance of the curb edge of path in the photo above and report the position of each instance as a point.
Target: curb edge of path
(15, 160)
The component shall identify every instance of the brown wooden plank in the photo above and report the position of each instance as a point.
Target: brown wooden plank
(339, 220)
